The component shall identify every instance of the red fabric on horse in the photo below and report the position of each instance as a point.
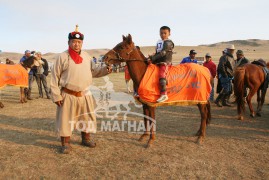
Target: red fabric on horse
(187, 84)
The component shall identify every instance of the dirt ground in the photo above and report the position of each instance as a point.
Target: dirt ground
(29, 148)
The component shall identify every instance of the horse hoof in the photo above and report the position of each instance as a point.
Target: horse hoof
(241, 118)
(149, 144)
(142, 137)
(200, 140)
(252, 115)
(259, 114)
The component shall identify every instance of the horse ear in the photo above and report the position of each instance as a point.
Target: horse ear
(129, 39)
(124, 38)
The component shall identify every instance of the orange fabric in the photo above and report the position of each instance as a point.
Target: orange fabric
(187, 84)
(14, 75)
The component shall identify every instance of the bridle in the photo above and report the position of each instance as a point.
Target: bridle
(121, 59)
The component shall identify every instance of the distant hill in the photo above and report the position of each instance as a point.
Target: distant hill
(248, 42)
(253, 49)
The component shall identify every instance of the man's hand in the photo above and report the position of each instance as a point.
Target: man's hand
(109, 69)
(59, 103)
(149, 61)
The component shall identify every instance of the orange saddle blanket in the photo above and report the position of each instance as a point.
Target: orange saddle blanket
(14, 75)
(187, 84)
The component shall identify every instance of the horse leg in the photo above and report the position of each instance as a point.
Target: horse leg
(21, 95)
(1, 105)
(146, 120)
(259, 102)
(201, 132)
(262, 102)
(23, 98)
(152, 123)
(117, 113)
(249, 97)
(127, 111)
(208, 119)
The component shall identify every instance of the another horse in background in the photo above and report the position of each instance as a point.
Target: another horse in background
(252, 76)
(17, 75)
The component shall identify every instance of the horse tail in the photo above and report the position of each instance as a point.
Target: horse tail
(239, 86)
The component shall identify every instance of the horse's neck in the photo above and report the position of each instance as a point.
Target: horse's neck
(137, 68)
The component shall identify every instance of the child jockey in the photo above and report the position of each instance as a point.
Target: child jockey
(163, 58)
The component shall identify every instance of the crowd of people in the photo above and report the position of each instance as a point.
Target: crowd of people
(223, 72)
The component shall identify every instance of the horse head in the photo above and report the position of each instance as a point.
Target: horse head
(121, 52)
(30, 62)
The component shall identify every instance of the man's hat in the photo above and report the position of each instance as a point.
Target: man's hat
(75, 34)
(207, 55)
(230, 46)
(240, 52)
(193, 51)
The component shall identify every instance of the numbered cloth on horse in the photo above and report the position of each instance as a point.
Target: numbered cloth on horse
(14, 75)
(187, 84)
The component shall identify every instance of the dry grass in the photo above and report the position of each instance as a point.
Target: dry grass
(233, 150)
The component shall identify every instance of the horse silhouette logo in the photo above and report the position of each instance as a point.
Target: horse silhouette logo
(106, 98)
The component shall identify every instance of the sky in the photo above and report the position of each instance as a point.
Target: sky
(43, 25)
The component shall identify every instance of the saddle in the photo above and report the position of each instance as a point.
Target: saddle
(259, 62)
(262, 63)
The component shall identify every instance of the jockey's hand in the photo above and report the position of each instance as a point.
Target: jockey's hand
(109, 69)
(149, 60)
(59, 103)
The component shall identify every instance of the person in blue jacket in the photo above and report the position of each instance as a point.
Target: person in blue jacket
(27, 54)
(191, 58)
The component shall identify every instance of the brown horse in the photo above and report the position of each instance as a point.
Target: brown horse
(249, 76)
(127, 52)
(27, 64)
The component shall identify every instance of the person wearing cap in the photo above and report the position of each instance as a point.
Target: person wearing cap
(190, 58)
(212, 68)
(28, 91)
(241, 60)
(71, 75)
(41, 75)
(225, 75)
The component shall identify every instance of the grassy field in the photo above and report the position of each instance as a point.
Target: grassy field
(29, 148)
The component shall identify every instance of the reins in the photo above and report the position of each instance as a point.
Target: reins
(119, 58)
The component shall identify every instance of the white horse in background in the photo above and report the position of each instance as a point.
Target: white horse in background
(108, 98)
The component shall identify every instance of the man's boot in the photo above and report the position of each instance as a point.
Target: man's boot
(219, 99)
(86, 140)
(225, 100)
(66, 148)
(29, 95)
(163, 96)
